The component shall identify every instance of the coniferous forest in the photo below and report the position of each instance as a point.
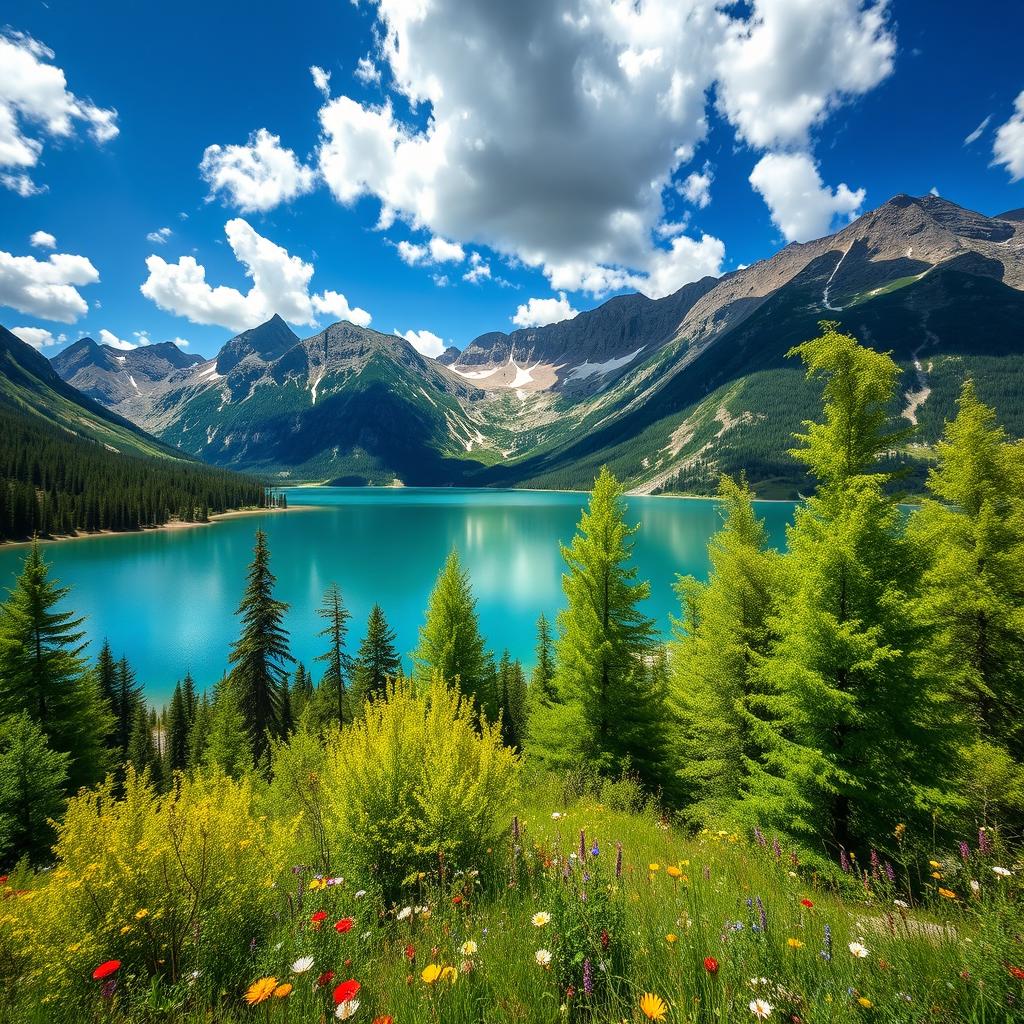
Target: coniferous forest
(808, 805)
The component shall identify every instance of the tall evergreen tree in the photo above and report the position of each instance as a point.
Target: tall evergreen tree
(142, 748)
(542, 681)
(602, 652)
(336, 616)
(107, 681)
(377, 660)
(188, 692)
(451, 646)
(199, 734)
(301, 692)
(33, 780)
(260, 653)
(720, 641)
(512, 701)
(849, 729)
(127, 701)
(176, 749)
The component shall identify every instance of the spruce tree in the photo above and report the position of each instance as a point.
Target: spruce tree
(512, 701)
(604, 646)
(188, 692)
(142, 750)
(377, 661)
(542, 681)
(33, 780)
(107, 681)
(719, 645)
(176, 749)
(199, 734)
(260, 653)
(451, 647)
(301, 692)
(333, 683)
(851, 733)
(126, 703)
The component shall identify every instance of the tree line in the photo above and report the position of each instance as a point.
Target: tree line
(55, 484)
(869, 678)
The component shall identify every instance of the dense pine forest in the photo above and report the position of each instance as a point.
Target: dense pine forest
(807, 806)
(53, 483)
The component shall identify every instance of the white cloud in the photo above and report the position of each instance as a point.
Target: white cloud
(43, 240)
(322, 80)
(479, 269)
(411, 253)
(113, 341)
(933, 191)
(180, 342)
(257, 176)
(687, 260)
(696, 188)
(35, 103)
(786, 67)
(37, 337)
(280, 284)
(437, 250)
(367, 72)
(425, 342)
(46, 288)
(160, 236)
(802, 207)
(978, 132)
(1008, 148)
(538, 312)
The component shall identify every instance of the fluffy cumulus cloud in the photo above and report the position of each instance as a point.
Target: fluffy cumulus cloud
(43, 240)
(46, 288)
(538, 312)
(37, 337)
(35, 104)
(425, 342)
(280, 284)
(258, 176)
(696, 188)
(113, 341)
(437, 250)
(802, 207)
(530, 143)
(1008, 149)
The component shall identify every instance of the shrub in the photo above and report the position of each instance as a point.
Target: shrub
(418, 784)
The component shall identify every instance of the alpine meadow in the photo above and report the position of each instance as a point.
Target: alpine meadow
(512, 513)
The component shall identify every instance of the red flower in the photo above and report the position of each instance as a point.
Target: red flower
(410, 953)
(3, 879)
(806, 903)
(1017, 972)
(345, 924)
(456, 900)
(320, 915)
(105, 970)
(710, 965)
(325, 979)
(346, 990)
(605, 938)
(384, 1020)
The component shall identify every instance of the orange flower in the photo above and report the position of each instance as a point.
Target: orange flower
(346, 990)
(282, 990)
(653, 1007)
(260, 990)
(947, 893)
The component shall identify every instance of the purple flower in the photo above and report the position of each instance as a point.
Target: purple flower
(588, 977)
(762, 915)
(875, 862)
(844, 861)
(890, 873)
(594, 850)
(759, 836)
(984, 843)
(776, 849)
(965, 851)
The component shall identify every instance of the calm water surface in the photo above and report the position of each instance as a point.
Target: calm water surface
(166, 599)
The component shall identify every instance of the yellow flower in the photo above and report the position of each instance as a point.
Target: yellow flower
(449, 974)
(935, 864)
(947, 893)
(140, 914)
(936, 874)
(673, 872)
(653, 1007)
(126, 929)
(794, 944)
(430, 973)
(865, 1002)
(671, 937)
(653, 867)
(468, 948)
(282, 990)
(261, 990)
(318, 883)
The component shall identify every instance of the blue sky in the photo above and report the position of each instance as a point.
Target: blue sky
(579, 148)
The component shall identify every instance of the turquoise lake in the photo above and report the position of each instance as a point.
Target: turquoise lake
(166, 598)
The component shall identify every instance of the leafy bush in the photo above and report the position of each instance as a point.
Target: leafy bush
(419, 785)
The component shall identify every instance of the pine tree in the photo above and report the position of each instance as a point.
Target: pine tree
(126, 703)
(176, 749)
(227, 747)
(720, 641)
(107, 681)
(451, 647)
(33, 780)
(850, 732)
(301, 692)
(542, 682)
(377, 661)
(199, 734)
(260, 653)
(603, 650)
(512, 701)
(142, 750)
(188, 692)
(336, 615)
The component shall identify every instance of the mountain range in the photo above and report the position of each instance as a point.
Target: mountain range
(667, 392)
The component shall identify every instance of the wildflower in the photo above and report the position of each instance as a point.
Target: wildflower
(965, 852)
(984, 843)
(468, 948)
(671, 938)
(303, 964)
(1003, 872)
(449, 974)
(900, 831)
(126, 929)
(1016, 972)
(975, 887)
(947, 893)
(653, 1007)
(760, 1008)
(317, 883)
(283, 990)
(806, 903)
(324, 980)
(384, 1019)
(858, 949)
(595, 850)
(344, 925)
(556, 815)
(106, 969)
(710, 965)
(844, 861)
(456, 900)
(346, 991)
(794, 944)
(430, 974)
(937, 874)
(359, 894)
(410, 953)
(541, 918)
(653, 867)
(347, 1009)
(260, 990)
(673, 872)
(902, 904)
(865, 1002)
(319, 917)
(588, 977)
(762, 915)
(543, 957)
(140, 914)
(934, 864)
(404, 914)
